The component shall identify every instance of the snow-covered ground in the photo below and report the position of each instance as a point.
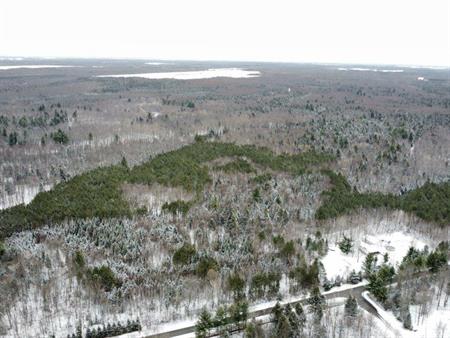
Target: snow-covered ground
(194, 75)
(33, 67)
(22, 194)
(363, 325)
(435, 324)
(395, 244)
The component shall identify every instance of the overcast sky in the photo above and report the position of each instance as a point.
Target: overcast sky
(335, 31)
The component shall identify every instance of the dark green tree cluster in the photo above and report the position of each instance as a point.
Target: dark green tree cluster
(59, 117)
(265, 285)
(177, 207)
(288, 321)
(236, 284)
(305, 276)
(240, 165)
(369, 264)
(346, 245)
(429, 202)
(224, 320)
(184, 255)
(13, 138)
(93, 194)
(104, 277)
(116, 329)
(420, 259)
(2, 248)
(378, 281)
(60, 137)
(351, 306)
(317, 244)
(205, 264)
(97, 193)
(316, 304)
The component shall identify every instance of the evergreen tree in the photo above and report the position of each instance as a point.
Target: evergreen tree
(250, 330)
(377, 288)
(276, 313)
(346, 245)
(301, 316)
(12, 138)
(221, 318)
(436, 260)
(283, 328)
(369, 264)
(236, 285)
(203, 324)
(124, 162)
(316, 303)
(291, 315)
(351, 306)
(2, 248)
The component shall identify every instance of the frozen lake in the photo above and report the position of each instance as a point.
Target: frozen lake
(32, 67)
(373, 70)
(194, 75)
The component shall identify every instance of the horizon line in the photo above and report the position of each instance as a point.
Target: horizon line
(325, 63)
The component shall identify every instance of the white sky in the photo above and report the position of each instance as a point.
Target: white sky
(341, 31)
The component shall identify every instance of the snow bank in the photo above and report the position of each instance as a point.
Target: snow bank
(194, 75)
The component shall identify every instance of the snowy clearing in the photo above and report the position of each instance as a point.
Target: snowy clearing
(194, 75)
(396, 245)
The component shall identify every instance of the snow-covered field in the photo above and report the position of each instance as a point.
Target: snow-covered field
(194, 75)
(395, 244)
(33, 67)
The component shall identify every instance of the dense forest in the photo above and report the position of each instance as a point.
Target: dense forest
(97, 193)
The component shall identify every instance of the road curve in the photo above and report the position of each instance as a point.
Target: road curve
(354, 291)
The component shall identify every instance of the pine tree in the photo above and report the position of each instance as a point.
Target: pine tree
(276, 313)
(301, 316)
(351, 306)
(346, 245)
(124, 162)
(203, 324)
(377, 288)
(283, 328)
(369, 264)
(292, 318)
(316, 302)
